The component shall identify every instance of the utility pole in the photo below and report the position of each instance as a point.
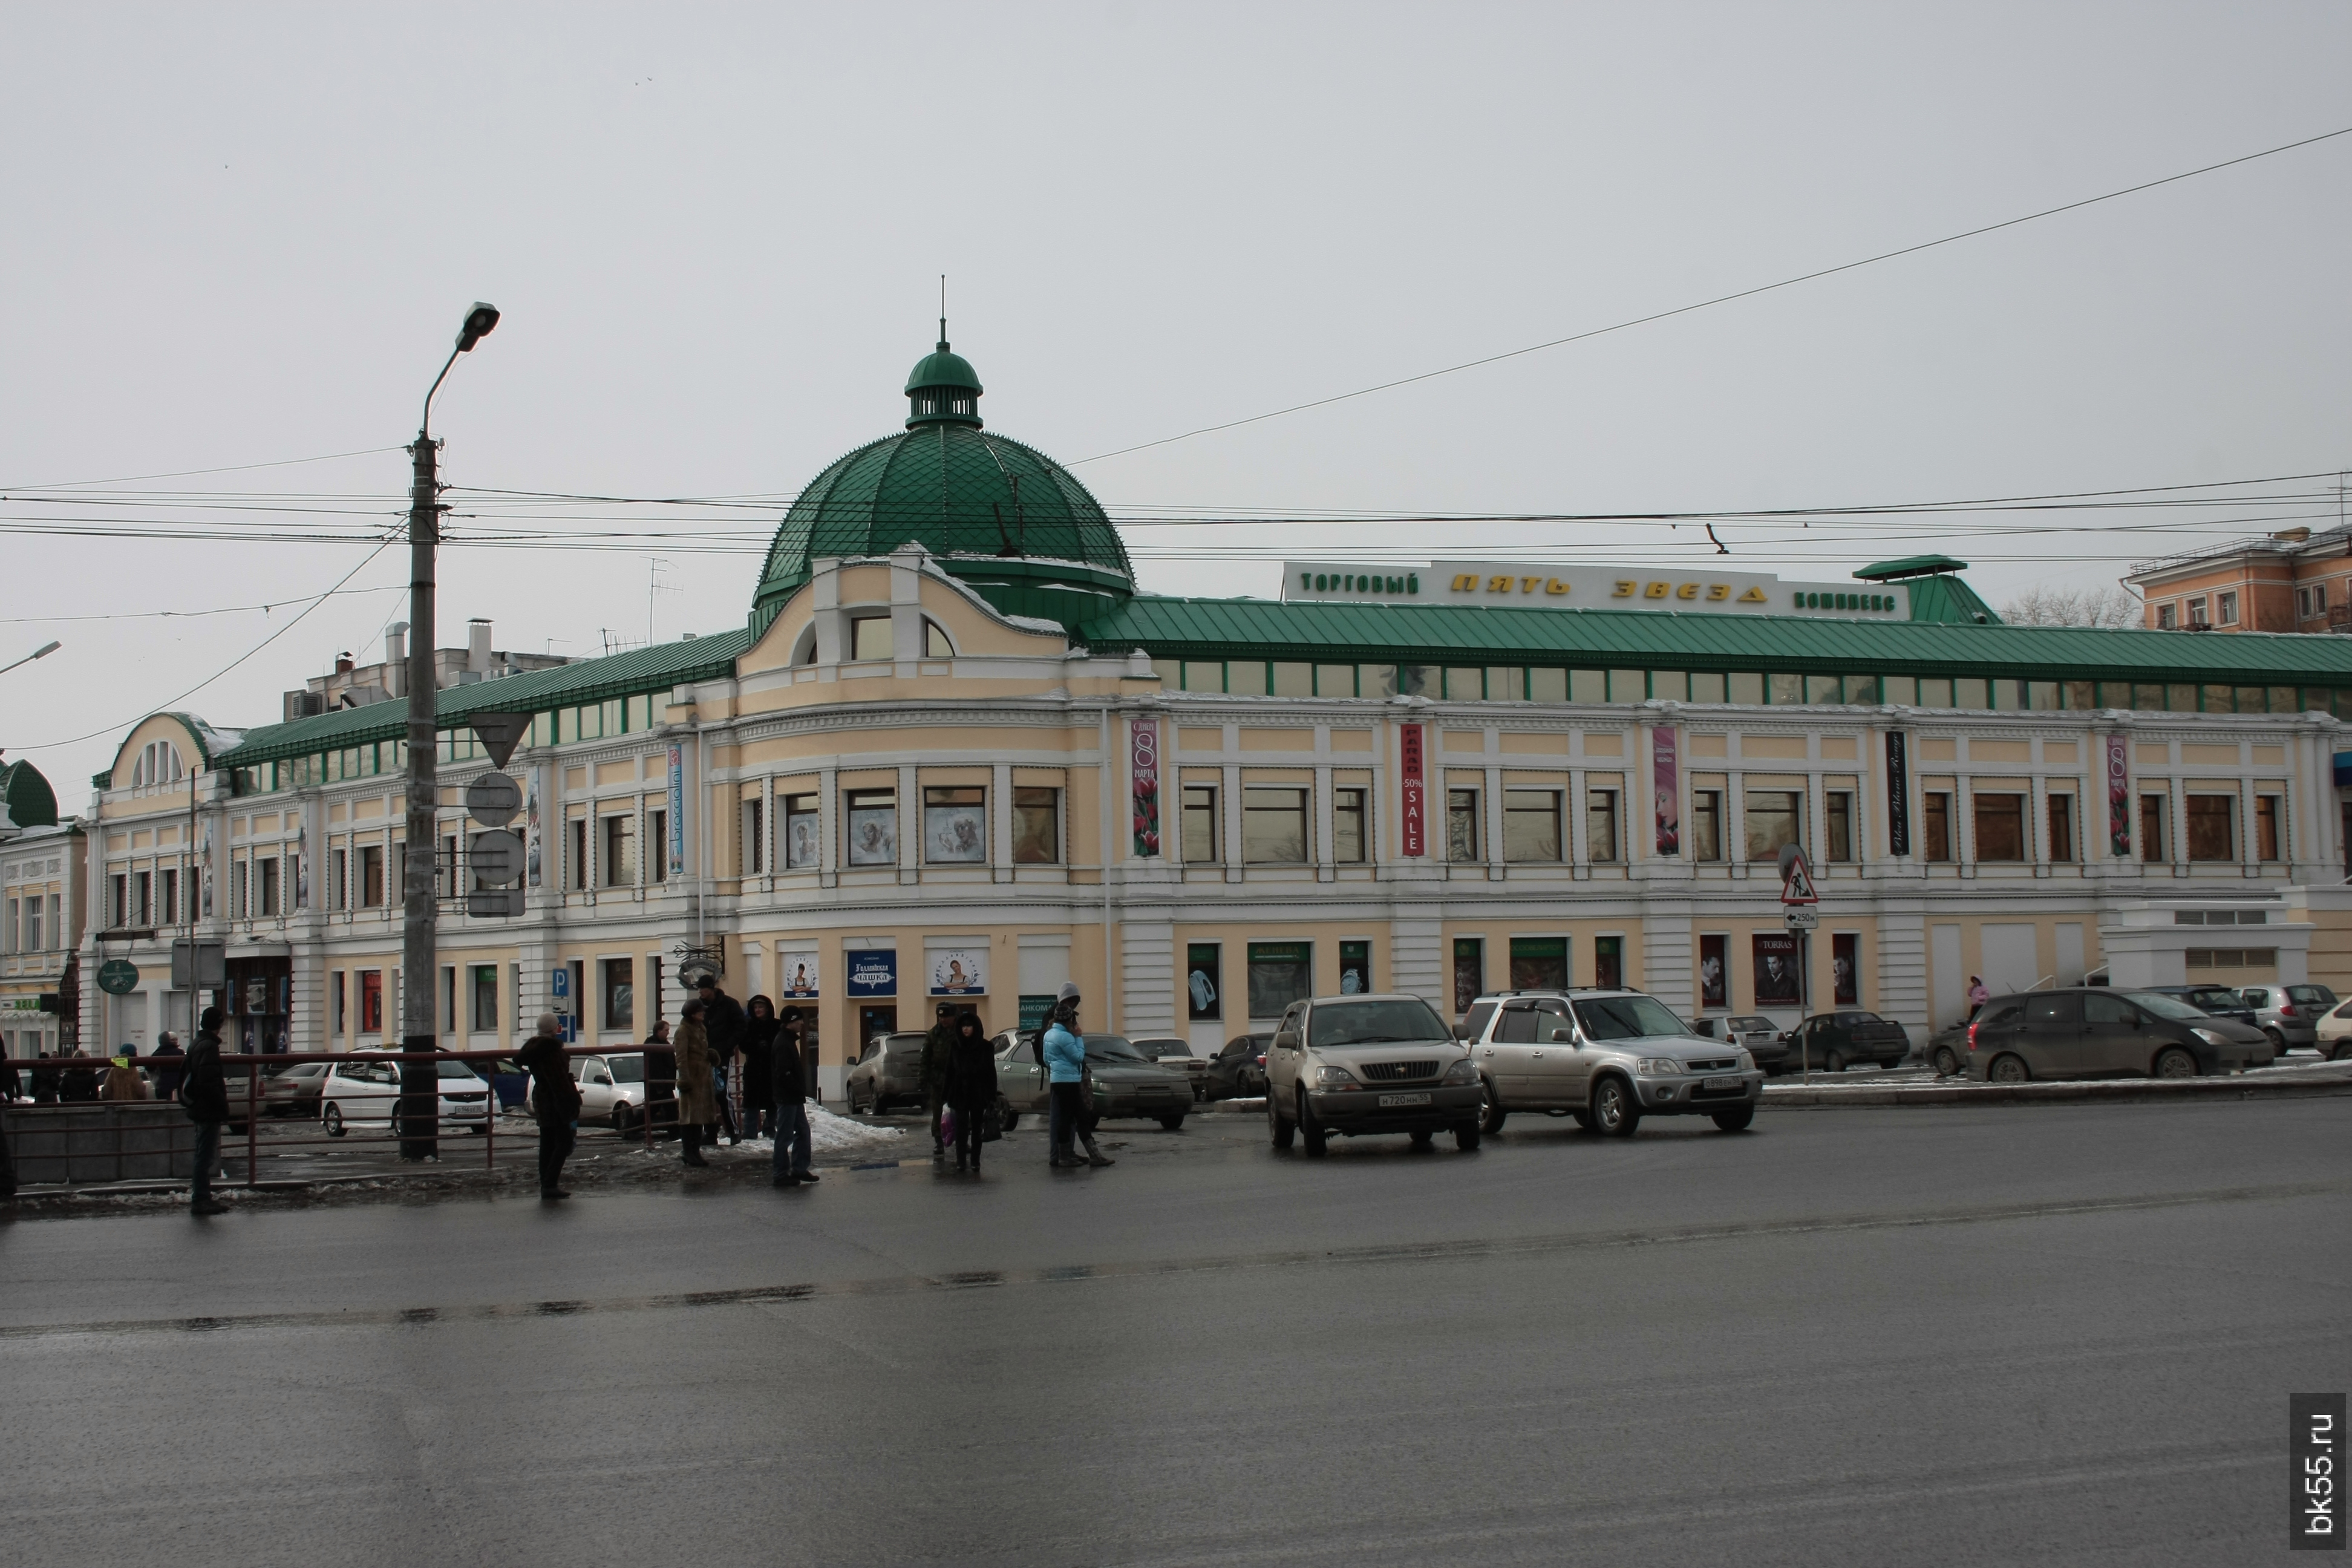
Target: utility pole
(420, 1081)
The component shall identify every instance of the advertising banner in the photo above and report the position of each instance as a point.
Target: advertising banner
(1665, 788)
(1714, 972)
(1779, 970)
(1144, 774)
(1203, 979)
(796, 972)
(1414, 818)
(2119, 833)
(1898, 795)
(677, 848)
(958, 971)
(873, 970)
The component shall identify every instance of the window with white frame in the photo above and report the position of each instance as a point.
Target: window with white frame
(2167, 617)
(2311, 603)
(2228, 609)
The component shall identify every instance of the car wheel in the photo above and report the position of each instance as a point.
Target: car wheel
(1583, 1116)
(1735, 1120)
(2175, 1063)
(1279, 1131)
(1833, 1062)
(1173, 1124)
(1310, 1131)
(623, 1119)
(1006, 1116)
(1948, 1063)
(1465, 1137)
(2009, 1069)
(1614, 1113)
(2278, 1040)
(1423, 1139)
(2342, 1053)
(334, 1117)
(1490, 1109)
(1886, 1065)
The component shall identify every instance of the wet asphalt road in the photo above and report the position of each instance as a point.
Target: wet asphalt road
(2058, 1334)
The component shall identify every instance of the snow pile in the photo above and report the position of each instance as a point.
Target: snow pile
(830, 1134)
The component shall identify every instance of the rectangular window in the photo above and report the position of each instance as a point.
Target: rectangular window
(1274, 826)
(1845, 968)
(2000, 826)
(1462, 825)
(802, 845)
(1280, 973)
(2062, 827)
(657, 845)
(2152, 845)
(1938, 824)
(1348, 838)
(1715, 972)
(1355, 968)
(335, 1002)
(371, 876)
(2212, 827)
(2167, 617)
(449, 1013)
(1774, 817)
(873, 826)
(869, 638)
(620, 994)
(117, 901)
(575, 853)
(955, 825)
(620, 863)
(370, 1001)
(338, 881)
(168, 899)
(266, 889)
(485, 998)
(142, 908)
(2266, 828)
(751, 854)
(1839, 806)
(2197, 616)
(1469, 971)
(1203, 979)
(1707, 824)
(2229, 606)
(1609, 962)
(1531, 825)
(1601, 825)
(2311, 604)
(1539, 962)
(1201, 824)
(8, 931)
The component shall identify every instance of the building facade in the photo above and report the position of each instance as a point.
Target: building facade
(2297, 581)
(43, 871)
(953, 755)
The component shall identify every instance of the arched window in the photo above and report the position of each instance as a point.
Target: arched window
(804, 650)
(158, 763)
(935, 641)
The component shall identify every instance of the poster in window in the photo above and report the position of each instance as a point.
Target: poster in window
(797, 971)
(1203, 993)
(302, 867)
(1665, 788)
(958, 971)
(1280, 973)
(1898, 795)
(1714, 972)
(799, 840)
(955, 835)
(1779, 970)
(2118, 798)
(873, 835)
(1845, 970)
(1355, 968)
(1469, 971)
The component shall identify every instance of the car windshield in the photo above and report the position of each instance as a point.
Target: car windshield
(1392, 1021)
(1111, 1048)
(459, 1069)
(1858, 1018)
(1626, 1018)
(2214, 996)
(902, 1045)
(1747, 1026)
(2310, 996)
(2163, 1007)
(1164, 1049)
(627, 1070)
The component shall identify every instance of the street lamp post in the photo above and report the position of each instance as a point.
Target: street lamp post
(41, 652)
(420, 1081)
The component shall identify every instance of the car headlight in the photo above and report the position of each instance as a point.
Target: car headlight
(1747, 1062)
(1464, 1071)
(2211, 1037)
(1659, 1066)
(1334, 1077)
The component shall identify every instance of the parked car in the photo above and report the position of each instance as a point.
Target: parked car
(2219, 1001)
(1608, 1058)
(1126, 1083)
(295, 1090)
(2289, 1014)
(1763, 1039)
(612, 1089)
(364, 1086)
(2093, 1032)
(1835, 1041)
(2332, 1033)
(1346, 1066)
(1238, 1071)
(1177, 1056)
(888, 1071)
(1948, 1052)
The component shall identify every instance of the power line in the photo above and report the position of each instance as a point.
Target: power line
(232, 468)
(189, 615)
(1719, 300)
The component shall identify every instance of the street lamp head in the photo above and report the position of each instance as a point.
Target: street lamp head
(478, 323)
(46, 648)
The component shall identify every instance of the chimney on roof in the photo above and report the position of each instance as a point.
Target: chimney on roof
(478, 645)
(395, 658)
(343, 663)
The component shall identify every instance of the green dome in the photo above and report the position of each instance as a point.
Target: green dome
(1003, 517)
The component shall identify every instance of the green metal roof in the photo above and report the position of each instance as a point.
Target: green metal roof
(941, 368)
(1438, 635)
(1944, 597)
(566, 686)
(30, 801)
(1909, 566)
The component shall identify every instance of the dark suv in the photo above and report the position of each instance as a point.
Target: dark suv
(2093, 1032)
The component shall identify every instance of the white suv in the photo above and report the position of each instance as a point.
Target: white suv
(1608, 1057)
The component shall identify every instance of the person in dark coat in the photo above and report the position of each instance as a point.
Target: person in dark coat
(205, 1094)
(761, 1027)
(45, 1082)
(698, 1098)
(79, 1084)
(788, 1072)
(972, 1087)
(722, 1022)
(167, 1078)
(661, 1081)
(554, 1102)
(938, 1050)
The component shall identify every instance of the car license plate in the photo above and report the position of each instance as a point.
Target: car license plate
(1387, 1101)
(1721, 1083)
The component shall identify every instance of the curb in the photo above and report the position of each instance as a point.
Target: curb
(2305, 1085)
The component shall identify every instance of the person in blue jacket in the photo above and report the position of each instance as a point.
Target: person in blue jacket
(1066, 1067)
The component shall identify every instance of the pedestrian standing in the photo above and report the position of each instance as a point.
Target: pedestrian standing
(78, 1085)
(661, 1082)
(761, 1027)
(722, 1020)
(1066, 1067)
(554, 1102)
(789, 1073)
(938, 1050)
(167, 1078)
(971, 1088)
(123, 1080)
(1978, 995)
(698, 1099)
(205, 1094)
(44, 1081)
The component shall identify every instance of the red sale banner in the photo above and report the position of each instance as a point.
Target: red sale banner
(1409, 737)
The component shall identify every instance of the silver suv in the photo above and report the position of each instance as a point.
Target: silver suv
(1608, 1058)
(1348, 1064)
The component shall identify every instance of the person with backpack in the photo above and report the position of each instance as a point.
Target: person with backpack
(554, 1103)
(971, 1088)
(204, 1093)
(1066, 1070)
(788, 1079)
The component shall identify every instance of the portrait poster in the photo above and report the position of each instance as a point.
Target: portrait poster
(1845, 968)
(955, 835)
(530, 824)
(796, 972)
(1665, 788)
(1779, 970)
(1715, 972)
(958, 971)
(874, 836)
(302, 867)
(800, 841)
(2119, 831)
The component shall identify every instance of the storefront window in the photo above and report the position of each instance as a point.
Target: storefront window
(1469, 971)
(1280, 973)
(1539, 962)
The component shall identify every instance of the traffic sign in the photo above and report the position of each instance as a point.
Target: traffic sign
(118, 977)
(1796, 878)
(560, 982)
(494, 903)
(1799, 918)
(492, 799)
(496, 858)
(500, 732)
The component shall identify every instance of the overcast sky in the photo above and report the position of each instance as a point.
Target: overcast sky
(240, 235)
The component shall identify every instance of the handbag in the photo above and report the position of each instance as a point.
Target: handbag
(992, 1122)
(948, 1125)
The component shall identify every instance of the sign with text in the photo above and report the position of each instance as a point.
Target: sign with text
(2119, 831)
(1665, 788)
(1585, 586)
(1898, 795)
(1144, 774)
(1414, 818)
(873, 970)
(677, 824)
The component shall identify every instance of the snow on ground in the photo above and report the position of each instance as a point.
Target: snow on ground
(829, 1134)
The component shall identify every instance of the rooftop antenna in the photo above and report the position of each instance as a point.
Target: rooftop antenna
(943, 312)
